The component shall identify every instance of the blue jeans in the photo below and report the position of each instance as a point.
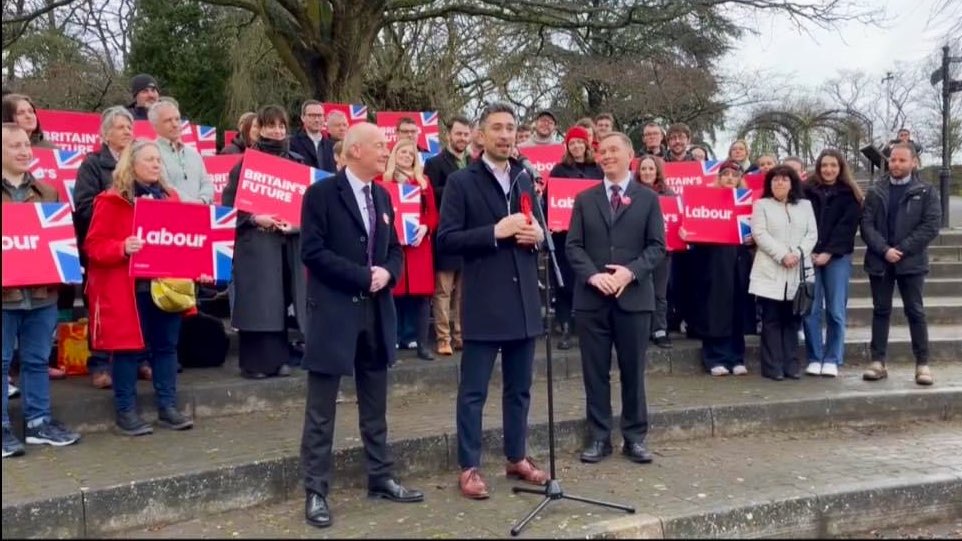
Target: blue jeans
(161, 332)
(33, 331)
(831, 290)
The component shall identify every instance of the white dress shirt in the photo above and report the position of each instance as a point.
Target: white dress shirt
(357, 186)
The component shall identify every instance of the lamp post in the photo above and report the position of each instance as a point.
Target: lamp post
(948, 88)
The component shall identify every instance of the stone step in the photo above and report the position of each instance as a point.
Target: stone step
(947, 237)
(215, 392)
(108, 483)
(938, 311)
(936, 253)
(934, 287)
(749, 487)
(937, 269)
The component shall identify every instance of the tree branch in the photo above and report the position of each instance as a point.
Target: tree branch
(27, 17)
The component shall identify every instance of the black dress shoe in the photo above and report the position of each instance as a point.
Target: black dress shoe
(637, 452)
(424, 353)
(596, 451)
(392, 490)
(663, 341)
(776, 377)
(793, 376)
(316, 512)
(253, 375)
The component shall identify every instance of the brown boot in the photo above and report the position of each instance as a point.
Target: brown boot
(458, 344)
(472, 485)
(101, 380)
(923, 376)
(875, 372)
(444, 348)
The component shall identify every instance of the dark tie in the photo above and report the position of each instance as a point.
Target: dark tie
(615, 198)
(371, 224)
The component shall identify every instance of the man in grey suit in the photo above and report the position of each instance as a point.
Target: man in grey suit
(616, 239)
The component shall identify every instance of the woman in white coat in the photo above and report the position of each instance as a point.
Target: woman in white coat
(785, 231)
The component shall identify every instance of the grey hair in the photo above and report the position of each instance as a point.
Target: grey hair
(336, 114)
(160, 104)
(496, 107)
(108, 116)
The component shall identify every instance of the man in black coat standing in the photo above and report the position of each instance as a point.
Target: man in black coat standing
(310, 142)
(615, 241)
(353, 258)
(482, 221)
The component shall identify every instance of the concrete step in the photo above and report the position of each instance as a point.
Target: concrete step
(216, 392)
(936, 253)
(938, 311)
(934, 287)
(947, 237)
(753, 487)
(108, 483)
(937, 269)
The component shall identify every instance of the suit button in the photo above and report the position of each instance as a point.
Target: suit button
(354, 300)
(363, 239)
(515, 279)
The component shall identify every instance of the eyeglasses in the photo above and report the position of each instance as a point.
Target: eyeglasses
(314, 115)
(409, 132)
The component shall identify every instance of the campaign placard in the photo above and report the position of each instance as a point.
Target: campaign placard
(71, 130)
(200, 242)
(406, 200)
(355, 113)
(682, 175)
(672, 212)
(756, 183)
(429, 137)
(39, 245)
(58, 168)
(561, 199)
(543, 157)
(275, 186)
(206, 137)
(717, 215)
(143, 129)
(218, 168)
(229, 136)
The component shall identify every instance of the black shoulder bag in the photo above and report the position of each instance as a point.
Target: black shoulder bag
(805, 294)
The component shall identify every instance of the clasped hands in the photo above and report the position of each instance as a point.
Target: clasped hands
(516, 225)
(270, 222)
(613, 282)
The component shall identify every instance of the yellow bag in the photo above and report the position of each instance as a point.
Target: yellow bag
(173, 295)
(72, 350)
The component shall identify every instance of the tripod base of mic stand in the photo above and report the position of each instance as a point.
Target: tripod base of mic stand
(553, 491)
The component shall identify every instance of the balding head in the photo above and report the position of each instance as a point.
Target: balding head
(365, 151)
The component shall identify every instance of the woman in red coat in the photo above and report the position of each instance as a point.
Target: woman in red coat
(124, 318)
(415, 287)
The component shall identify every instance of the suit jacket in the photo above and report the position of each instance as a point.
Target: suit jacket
(334, 249)
(320, 156)
(633, 237)
(500, 300)
(438, 168)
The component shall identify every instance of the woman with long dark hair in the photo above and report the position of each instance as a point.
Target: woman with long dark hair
(837, 203)
(650, 174)
(18, 109)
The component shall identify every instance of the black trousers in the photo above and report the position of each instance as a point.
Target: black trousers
(370, 376)
(910, 289)
(779, 348)
(598, 331)
(563, 296)
(659, 319)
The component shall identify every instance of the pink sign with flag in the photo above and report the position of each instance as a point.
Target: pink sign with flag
(218, 168)
(672, 211)
(206, 137)
(39, 245)
(71, 130)
(717, 215)
(355, 113)
(682, 175)
(200, 242)
(561, 199)
(543, 157)
(406, 200)
(58, 168)
(274, 186)
(429, 138)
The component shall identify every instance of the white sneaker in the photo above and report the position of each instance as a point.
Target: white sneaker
(814, 369)
(12, 391)
(412, 345)
(719, 371)
(739, 370)
(830, 370)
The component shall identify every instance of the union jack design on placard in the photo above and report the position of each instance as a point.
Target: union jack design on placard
(319, 174)
(429, 118)
(206, 133)
(409, 194)
(425, 156)
(744, 228)
(710, 167)
(33, 163)
(223, 217)
(434, 143)
(743, 197)
(71, 186)
(358, 113)
(67, 259)
(69, 159)
(54, 215)
(223, 260)
(223, 221)
(411, 222)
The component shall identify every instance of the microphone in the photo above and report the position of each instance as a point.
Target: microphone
(543, 222)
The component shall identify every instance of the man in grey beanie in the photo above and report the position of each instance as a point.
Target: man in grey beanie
(144, 89)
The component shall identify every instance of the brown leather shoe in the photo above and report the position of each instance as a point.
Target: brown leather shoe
(458, 344)
(527, 471)
(145, 373)
(923, 375)
(472, 485)
(101, 380)
(444, 348)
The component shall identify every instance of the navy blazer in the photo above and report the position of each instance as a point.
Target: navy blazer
(500, 301)
(319, 156)
(334, 250)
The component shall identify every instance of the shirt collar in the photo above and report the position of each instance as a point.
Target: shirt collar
(623, 184)
(176, 147)
(506, 170)
(900, 182)
(356, 183)
(313, 137)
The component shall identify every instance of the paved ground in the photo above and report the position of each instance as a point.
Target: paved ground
(686, 478)
(955, 211)
(950, 529)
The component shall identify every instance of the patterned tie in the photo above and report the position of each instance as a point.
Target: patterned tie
(371, 224)
(615, 198)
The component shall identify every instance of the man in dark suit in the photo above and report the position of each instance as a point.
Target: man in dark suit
(481, 220)
(616, 239)
(353, 258)
(310, 142)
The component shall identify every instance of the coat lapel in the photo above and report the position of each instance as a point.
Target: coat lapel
(629, 193)
(381, 231)
(347, 196)
(492, 193)
(601, 201)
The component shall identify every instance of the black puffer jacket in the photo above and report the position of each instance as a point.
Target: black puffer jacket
(916, 226)
(837, 213)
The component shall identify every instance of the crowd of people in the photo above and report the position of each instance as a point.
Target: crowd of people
(473, 263)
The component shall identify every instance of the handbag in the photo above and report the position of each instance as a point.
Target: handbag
(805, 294)
(173, 295)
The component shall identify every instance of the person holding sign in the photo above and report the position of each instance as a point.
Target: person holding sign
(578, 162)
(785, 231)
(616, 240)
(720, 311)
(353, 259)
(651, 175)
(267, 272)
(415, 287)
(29, 313)
(126, 319)
(18, 109)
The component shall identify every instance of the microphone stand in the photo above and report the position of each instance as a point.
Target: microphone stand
(552, 491)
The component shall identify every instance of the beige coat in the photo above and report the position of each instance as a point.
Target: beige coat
(780, 229)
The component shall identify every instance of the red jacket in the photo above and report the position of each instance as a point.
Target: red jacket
(417, 273)
(114, 321)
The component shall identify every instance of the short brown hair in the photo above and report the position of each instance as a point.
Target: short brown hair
(308, 103)
(605, 116)
(271, 114)
(624, 139)
(679, 127)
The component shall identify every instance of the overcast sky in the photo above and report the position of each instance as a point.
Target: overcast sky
(910, 33)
